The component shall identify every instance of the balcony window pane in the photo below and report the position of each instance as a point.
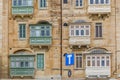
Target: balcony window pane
(12, 64)
(31, 64)
(19, 2)
(93, 61)
(88, 61)
(30, 3)
(77, 3)
(14, 2)
(72, 32)
(65, 1)
(37, 33)
(81, 2)
(91, 1)
(17, 64)
(32, 33)
(77, 32)
(82, 32)
(96, 1)
(87, 32)
(25, 2)
(47, 32)
(26, 64)
(21, 64)
(42, 33)
(102, 1)
(107, 1)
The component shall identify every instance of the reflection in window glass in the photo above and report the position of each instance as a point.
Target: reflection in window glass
(77, 32)
(82, 32)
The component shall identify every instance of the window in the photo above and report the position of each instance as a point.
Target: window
(22, 30)
(40, 31)
(22, 3)
(79, 3)
(91, 1)
(98, 29)
(65, 1)
(99, 1)
(78, 60)
(22, 62)
(42, 3)
(40, 61)
(81, 30)
(88, 61)
(98, 61)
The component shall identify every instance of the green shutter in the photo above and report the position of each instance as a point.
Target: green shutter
(40, 61)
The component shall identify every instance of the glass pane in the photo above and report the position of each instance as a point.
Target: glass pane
(65, 1)
(102, 1)
(42, 33)
(91, 1)
(31, 64)
(48, 32)
(40, 61)
(37, 33)
(77, 32)
(25, 2)
(14, 2)
(107, 1)
(107, 63)
(26, 64)
(72, 32)
(82, 32)
(17, 64)
(88, 63)
(81, 2)
(87, 32)
(12, 64)
(32, 33)
(96, 1)
(103, 63)
(77, 3)
(21, 64)
(19, 2)
(30, 3)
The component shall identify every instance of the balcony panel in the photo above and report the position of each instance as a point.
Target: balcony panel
(40, 40)
(22, 10)
(78, 40)
(99, 9)
(92, 71)
(22, 72)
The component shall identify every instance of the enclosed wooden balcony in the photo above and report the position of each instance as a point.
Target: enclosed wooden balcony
(40, 34)
(99, 8)
(40, 40)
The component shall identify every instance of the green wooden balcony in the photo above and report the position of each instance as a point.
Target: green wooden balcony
(22, 72)
(40, 40)
(22, 10)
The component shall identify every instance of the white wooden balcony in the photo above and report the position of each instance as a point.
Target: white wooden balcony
(79, 40)
(99, 8)
(97, 71)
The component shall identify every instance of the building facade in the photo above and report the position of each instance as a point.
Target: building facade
(37, 34)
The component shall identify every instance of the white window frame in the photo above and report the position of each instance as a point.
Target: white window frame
(42, 7)
(79, 4)
(96, 60)
(79, 30)
(99, 2)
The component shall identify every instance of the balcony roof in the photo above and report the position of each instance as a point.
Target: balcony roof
(79, 22)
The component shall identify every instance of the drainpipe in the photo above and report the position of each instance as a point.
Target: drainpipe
(115, 72)
(61, 39)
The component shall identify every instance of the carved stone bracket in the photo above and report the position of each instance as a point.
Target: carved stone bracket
(98, 16)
